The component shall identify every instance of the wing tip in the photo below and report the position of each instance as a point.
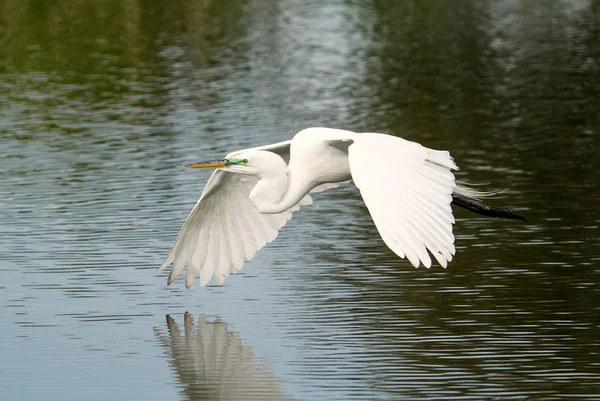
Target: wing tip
(162, 266)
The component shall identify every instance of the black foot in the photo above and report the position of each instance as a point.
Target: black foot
(490, 211)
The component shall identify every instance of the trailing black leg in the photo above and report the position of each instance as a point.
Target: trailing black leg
(490, 211)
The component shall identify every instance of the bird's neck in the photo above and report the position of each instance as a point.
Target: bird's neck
(277, 194)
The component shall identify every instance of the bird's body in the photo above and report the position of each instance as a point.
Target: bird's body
(407, 188)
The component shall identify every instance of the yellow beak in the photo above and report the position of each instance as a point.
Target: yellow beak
(209, 164)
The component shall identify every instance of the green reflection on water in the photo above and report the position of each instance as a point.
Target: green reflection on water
(102, 101)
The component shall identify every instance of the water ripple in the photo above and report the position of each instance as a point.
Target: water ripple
(98, 120)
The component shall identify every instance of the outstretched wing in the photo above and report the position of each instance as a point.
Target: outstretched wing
(223, 230)
(408, 190)
(280, 148)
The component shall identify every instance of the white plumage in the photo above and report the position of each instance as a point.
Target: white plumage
(407, 188)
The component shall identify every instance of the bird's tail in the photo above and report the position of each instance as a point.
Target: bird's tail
(469, 198)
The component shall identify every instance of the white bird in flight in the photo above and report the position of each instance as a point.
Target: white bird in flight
(407, 188)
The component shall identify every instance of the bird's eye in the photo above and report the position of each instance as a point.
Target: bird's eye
(245, 161)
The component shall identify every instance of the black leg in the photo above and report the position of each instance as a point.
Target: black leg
(490, 211)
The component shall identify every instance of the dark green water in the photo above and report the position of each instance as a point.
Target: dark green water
(102, 103)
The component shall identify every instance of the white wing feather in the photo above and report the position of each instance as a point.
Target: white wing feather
(408, 191)
(220, 233)
(223, 230)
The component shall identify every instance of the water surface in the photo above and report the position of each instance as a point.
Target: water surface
(103, 103)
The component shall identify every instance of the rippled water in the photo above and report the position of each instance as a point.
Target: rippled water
(103, 103)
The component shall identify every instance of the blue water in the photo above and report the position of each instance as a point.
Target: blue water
(102, 106)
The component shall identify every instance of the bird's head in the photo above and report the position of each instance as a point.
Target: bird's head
(253, 162)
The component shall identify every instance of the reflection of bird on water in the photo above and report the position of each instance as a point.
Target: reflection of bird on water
(407, 188)
(211, 362)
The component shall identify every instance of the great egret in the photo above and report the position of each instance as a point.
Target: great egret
(407, 188)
